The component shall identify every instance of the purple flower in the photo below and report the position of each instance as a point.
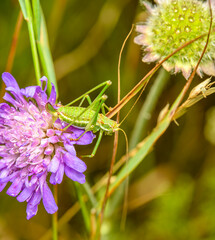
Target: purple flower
(32, 146)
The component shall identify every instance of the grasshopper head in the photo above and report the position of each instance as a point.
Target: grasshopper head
(116, 127)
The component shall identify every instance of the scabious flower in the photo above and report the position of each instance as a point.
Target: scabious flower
(32, 146)
(171, 24)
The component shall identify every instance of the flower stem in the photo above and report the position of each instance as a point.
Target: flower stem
(29, 20)
(85, 212)
(55, 217)
(149, 105)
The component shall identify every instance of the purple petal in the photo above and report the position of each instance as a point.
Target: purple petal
(52, 179)
(54, 164)
(25, 194)
(31, 210)
(36, 198)
(70, 148)
(53, 95)
(87, 138)
(74, 163)
(50, 132)
(74, 175)
(31, 182)
(10, 81)
(2, 165)
(29, 91)
(4, 174)
(49, 149)
(15, 187)
(5, 177)
(4, 107)
(40, 96)
(44, 79)
(12, 86)
(59, 174)
(7, 97)
(48, 200)
(57, 178)
(54, 139)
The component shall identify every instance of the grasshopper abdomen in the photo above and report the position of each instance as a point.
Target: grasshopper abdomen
(81, 118)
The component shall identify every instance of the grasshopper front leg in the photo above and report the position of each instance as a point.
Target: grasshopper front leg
(96, 145)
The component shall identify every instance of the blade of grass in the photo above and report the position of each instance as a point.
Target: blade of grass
(84, 209)
(43, 45)
(27, 13)
(23, 8)
(90, 194)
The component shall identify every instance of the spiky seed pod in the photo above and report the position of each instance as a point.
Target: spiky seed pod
(172, 23)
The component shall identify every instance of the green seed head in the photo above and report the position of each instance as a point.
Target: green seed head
(173, 23)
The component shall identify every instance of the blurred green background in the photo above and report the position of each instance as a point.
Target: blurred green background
(172, 192)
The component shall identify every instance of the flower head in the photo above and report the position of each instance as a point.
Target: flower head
(171, 24)
(32, 146)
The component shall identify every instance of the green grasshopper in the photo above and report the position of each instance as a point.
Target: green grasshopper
(88, 118)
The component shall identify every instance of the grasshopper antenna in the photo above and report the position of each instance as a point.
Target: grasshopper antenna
(119, 62)
(115, 136)
(125, 203)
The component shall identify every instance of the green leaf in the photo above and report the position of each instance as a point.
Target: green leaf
(23, 8)
(43, 45)
(84, 209)
(27, 13)
(37, 17)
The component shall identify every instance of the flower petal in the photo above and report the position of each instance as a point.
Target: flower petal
(48, 200)
(25, 194)
(87, 138)
(31, 210)
(29, 91)
(57, 178)
(10, 81)
(53, 95)
(54, 164)
(74, 163)
(15, 188)
(74, 175)
(70, 148)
